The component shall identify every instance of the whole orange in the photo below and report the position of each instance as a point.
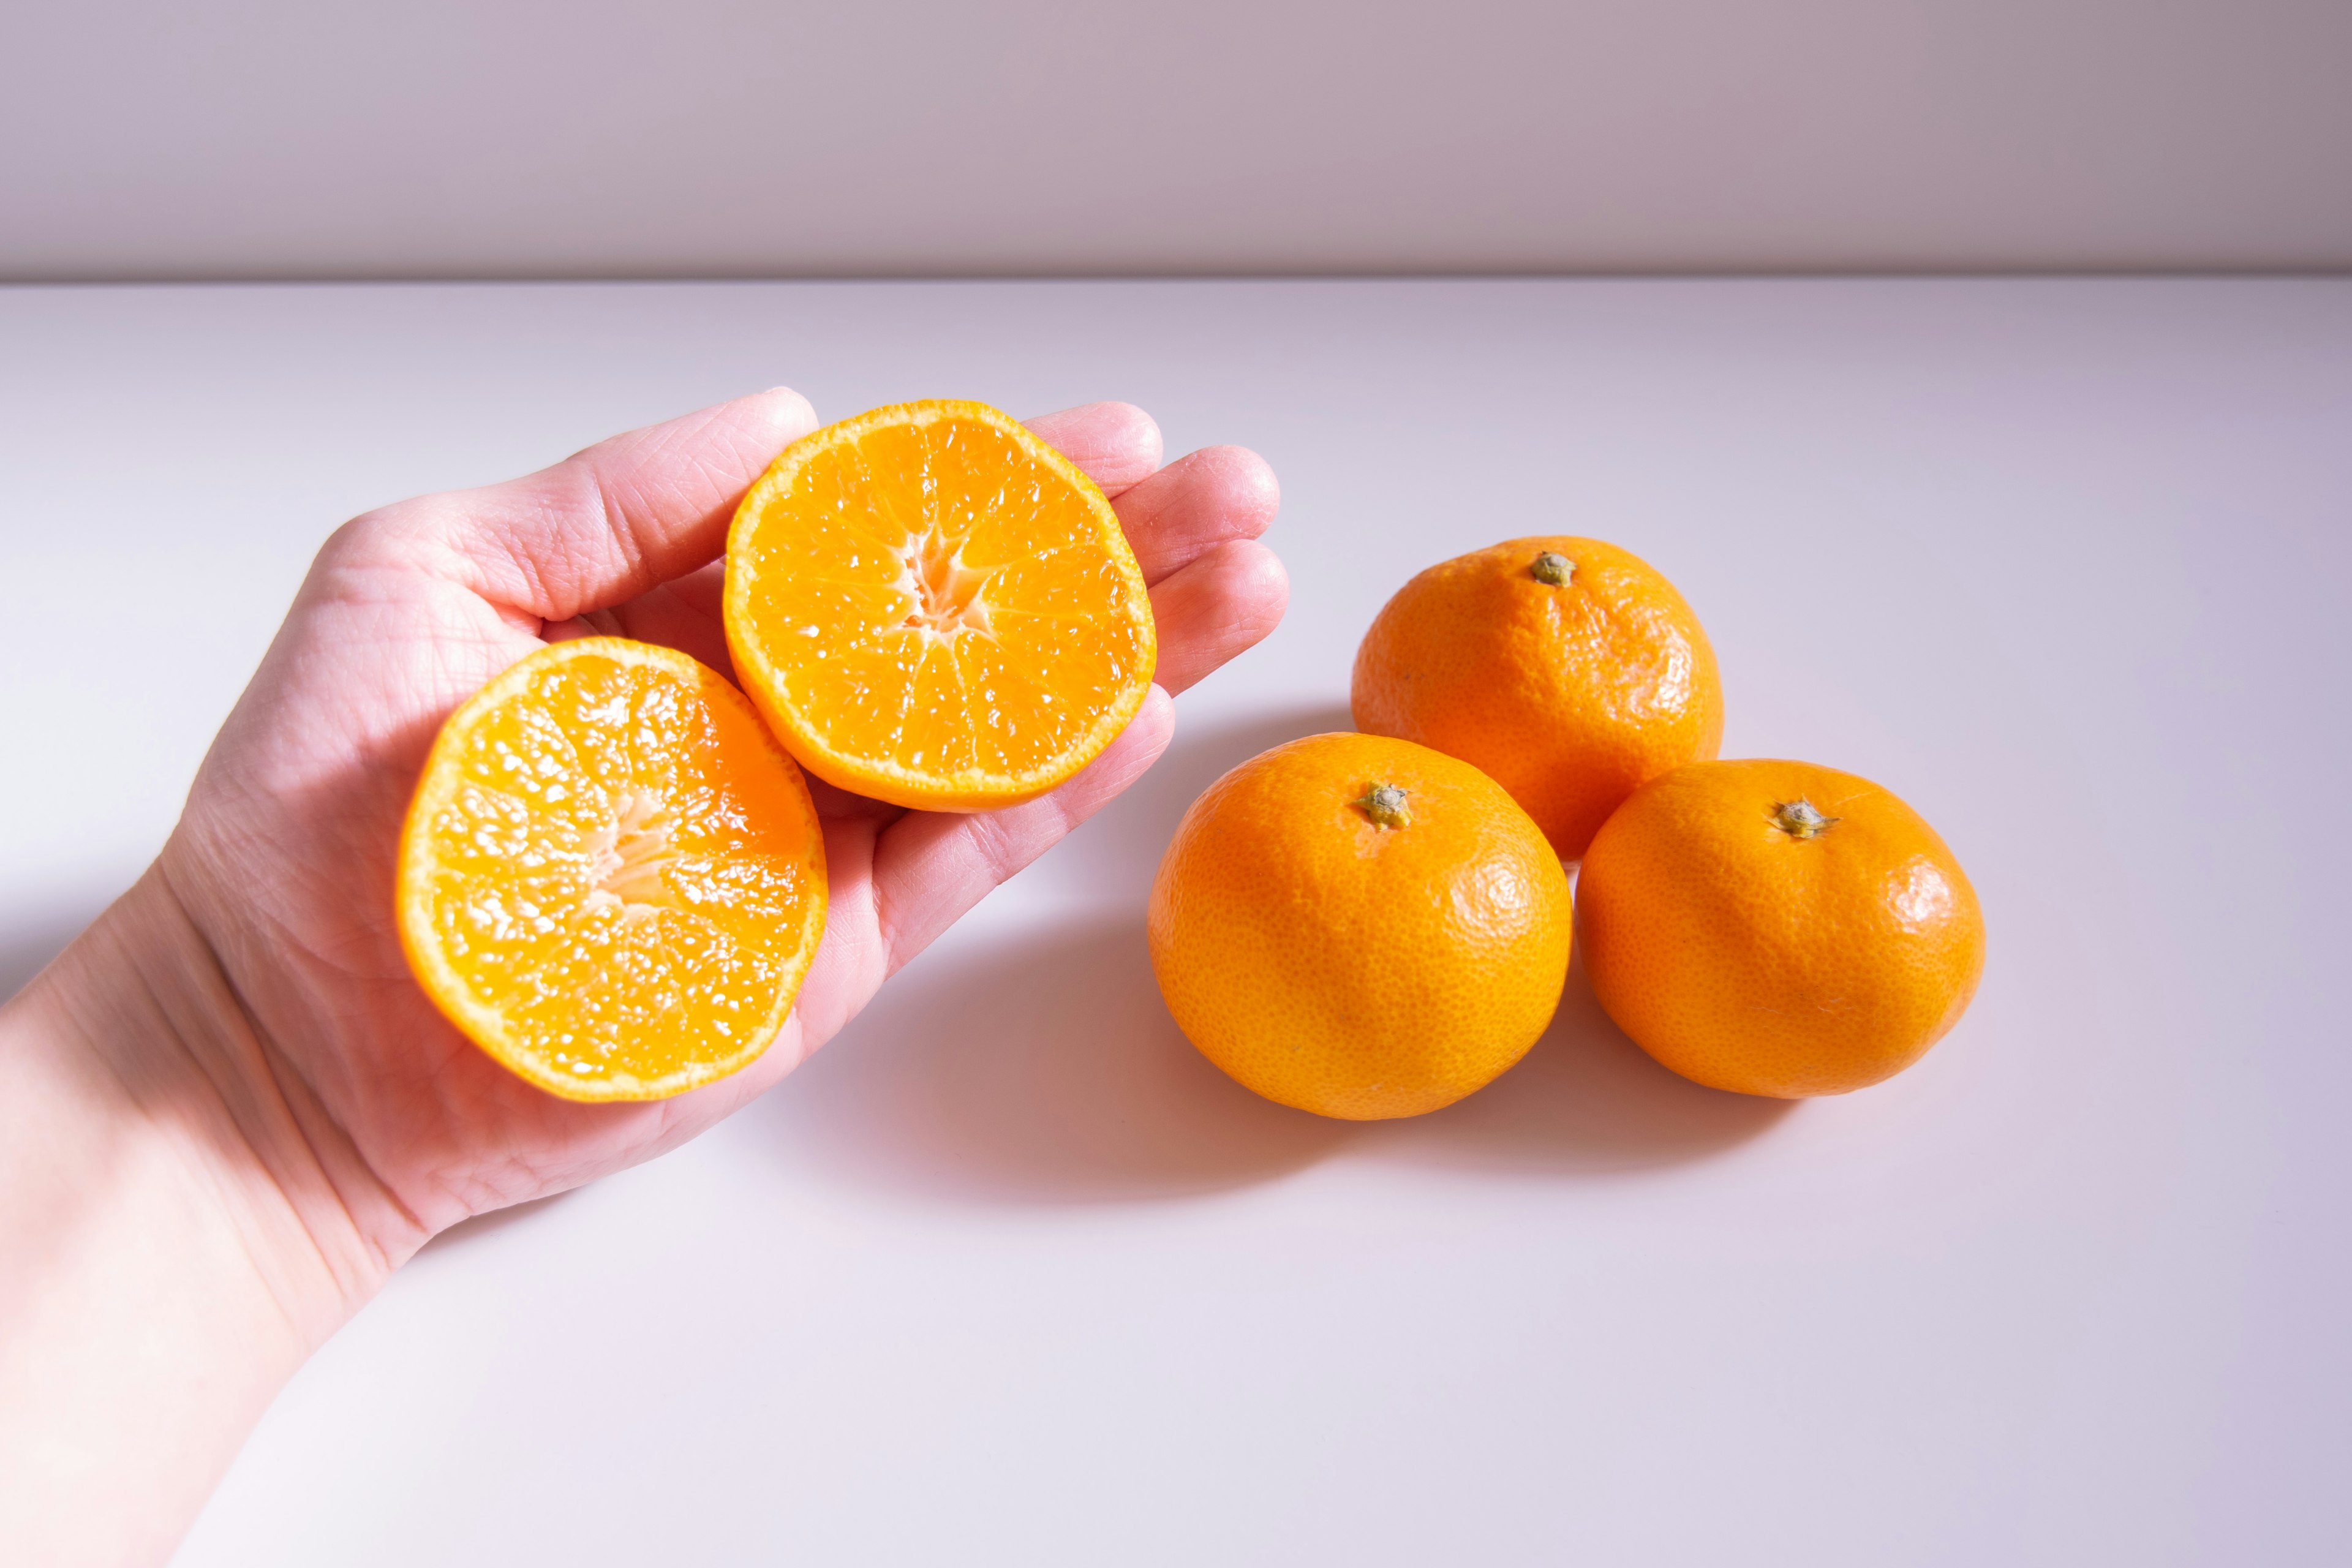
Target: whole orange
(1777, 928)
(1359, 927)
(1567, 669)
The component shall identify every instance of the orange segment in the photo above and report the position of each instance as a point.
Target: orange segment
(610, 878)
(932, 607)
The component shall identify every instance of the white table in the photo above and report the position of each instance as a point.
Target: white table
(1008, 1276)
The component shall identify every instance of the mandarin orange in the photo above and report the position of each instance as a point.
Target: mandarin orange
(932, 607)
(1567, 669)
(610, 878)
(1359, 927)
(1777, 928)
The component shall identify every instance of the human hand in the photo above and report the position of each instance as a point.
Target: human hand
(232, 1112)
(381, 1123)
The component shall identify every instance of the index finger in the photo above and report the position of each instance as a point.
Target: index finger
(622, 517)
(1117, 443)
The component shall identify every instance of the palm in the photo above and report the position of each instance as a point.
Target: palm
(284, 858)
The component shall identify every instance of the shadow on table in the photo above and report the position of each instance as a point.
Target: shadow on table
(1045, 1068)
(1583, 1101)
(1039, 1070)
(465, 1232)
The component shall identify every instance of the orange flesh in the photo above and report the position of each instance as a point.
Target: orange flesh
(932, 607)
(611, 877)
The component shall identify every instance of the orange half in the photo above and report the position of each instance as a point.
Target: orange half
(932, 607)
(610, 878)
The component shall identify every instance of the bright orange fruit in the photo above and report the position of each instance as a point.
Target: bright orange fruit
(933, 607)
(1359, 927)
(610, 878)
(1776, 927)
(1567, 669)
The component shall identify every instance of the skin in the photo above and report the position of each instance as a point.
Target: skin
(231, 1114)
(1360, 956)
(1776, 927)
(1565, 669)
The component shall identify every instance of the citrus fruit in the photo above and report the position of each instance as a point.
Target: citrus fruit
(1777, 928)
(1359, 927)
(1567, 669)
(611, 876)
(932, 606)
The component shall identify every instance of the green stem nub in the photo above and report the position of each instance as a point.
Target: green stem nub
(1384, 804)
(1800, 819)
(1552, 568)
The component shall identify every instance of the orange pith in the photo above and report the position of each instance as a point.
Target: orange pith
(933, 607)
(610, 878)
(1777, 928)
(1359, 927)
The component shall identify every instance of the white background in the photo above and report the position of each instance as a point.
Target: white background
(297, 138)
(1007, 1275)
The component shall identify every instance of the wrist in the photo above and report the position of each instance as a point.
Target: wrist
(173, 1243)
(139, 1015)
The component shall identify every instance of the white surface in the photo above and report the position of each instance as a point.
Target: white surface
(1007, 1276)
(292, 138)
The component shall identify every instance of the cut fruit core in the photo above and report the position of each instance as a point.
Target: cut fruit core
(945, 593)
(629, 857)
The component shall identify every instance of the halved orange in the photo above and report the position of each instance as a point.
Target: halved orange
(610, 878)
(932, 607)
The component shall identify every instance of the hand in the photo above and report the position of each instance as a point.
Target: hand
(378, 1120)
(231, 1112)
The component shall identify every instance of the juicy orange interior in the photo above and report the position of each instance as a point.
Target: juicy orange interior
(612, 879)
(926, 595)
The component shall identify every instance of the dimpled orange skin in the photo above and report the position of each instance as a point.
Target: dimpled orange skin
(1747, 956)
(1570, 696)
(1347, 968)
